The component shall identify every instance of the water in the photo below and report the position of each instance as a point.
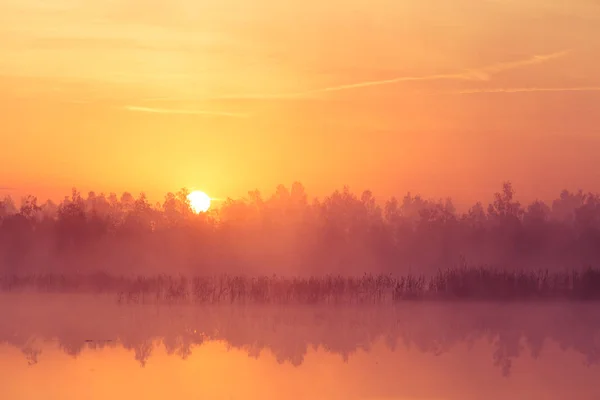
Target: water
(89, 347)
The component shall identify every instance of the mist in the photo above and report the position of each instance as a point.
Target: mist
(288, 234)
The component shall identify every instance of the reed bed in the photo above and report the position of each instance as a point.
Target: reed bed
(468, 283)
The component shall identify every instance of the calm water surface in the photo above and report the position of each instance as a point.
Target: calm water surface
(88, 347)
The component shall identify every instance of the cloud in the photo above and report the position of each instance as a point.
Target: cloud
(473, 74)
(235, 97)
(528, 90)
(478, 74)
(482, 74)
(391, 81)
(185, 112)
(485, 73)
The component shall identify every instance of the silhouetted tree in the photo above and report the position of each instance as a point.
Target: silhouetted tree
(285, 233)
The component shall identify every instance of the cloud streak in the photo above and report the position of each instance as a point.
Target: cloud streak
(479, 74)
(485, 73)
(529, 90)
(153, 110)
(472, 74)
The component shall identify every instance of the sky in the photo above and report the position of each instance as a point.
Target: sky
(436, 97)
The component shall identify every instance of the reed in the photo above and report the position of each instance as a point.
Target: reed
(465, 283)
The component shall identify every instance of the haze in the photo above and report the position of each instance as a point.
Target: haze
(437, 97)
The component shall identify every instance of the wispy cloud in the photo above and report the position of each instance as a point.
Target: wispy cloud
(153, 110)
(476, 74)
(531, 89)
(484, 73)
(481, 74)
(391, 81)
(235, 97)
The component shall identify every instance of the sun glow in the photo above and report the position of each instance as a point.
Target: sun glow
(199, 201)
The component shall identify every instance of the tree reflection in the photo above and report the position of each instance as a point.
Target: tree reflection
(289, 332)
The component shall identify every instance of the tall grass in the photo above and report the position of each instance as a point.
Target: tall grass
(465, 283)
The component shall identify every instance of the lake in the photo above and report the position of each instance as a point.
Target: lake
(76, 346)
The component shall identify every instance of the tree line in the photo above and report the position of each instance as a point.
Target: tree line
(288, 234)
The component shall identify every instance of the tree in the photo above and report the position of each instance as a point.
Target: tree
(29, 207)
(504, 205)
(72, 221)
(7, 207)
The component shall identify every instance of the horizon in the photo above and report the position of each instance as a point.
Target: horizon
(462, 205)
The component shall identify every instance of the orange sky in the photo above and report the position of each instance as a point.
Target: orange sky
(437, 97)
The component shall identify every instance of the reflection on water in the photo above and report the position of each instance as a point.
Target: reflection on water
(78, 346)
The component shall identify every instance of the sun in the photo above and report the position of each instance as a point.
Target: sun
(199, 201)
